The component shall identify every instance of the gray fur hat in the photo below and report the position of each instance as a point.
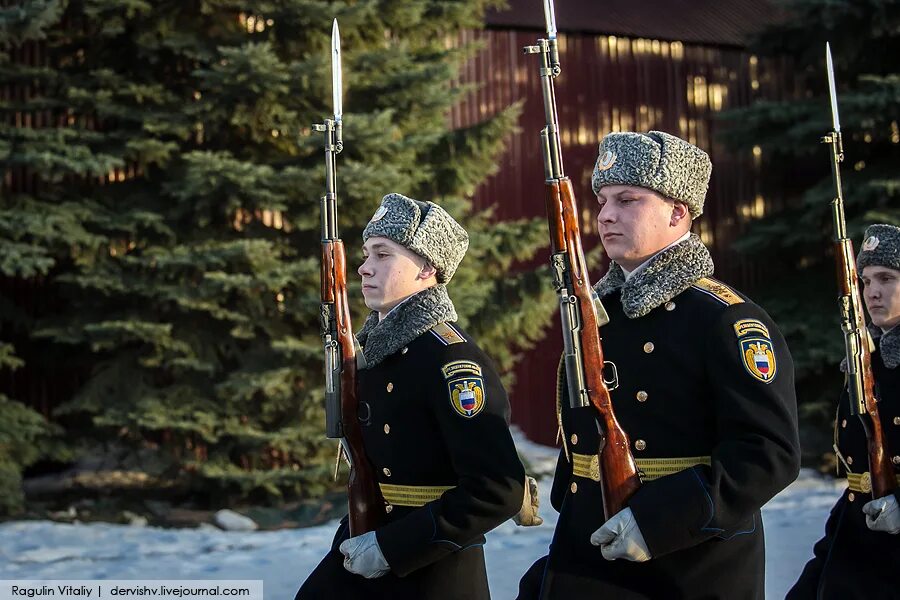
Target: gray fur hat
(423, 227)
(658, 161)
(881, 247)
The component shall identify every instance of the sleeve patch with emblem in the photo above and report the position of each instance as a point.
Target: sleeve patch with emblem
(748, 326)
(466, 395)
(759, 357)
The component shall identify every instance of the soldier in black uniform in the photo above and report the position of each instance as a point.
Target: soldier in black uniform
(859, 557)
(705, 393)
(435, 424)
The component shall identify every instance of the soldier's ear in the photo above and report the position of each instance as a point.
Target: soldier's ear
(680, 212)
(427, 271)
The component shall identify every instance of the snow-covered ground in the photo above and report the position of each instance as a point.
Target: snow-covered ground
(794, 520)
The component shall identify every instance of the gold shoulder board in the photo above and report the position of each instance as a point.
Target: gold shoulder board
(718, 290)
(447, 334)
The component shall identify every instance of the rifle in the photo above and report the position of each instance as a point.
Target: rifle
(366, 504)
(578, 302)
(860, 379)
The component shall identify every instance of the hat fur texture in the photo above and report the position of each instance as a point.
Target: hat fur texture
(880, 247)
(657, 161)
(423, 227)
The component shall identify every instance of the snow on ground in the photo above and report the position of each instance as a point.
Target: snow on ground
(793, 520)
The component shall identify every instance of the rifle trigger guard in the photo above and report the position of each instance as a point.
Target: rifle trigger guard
(613, 382)
(364, 413)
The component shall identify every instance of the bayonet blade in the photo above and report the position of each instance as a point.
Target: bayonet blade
(550, 19)
(831, 89)
(336, 75)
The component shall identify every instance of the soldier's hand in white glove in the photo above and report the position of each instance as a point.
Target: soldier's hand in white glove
(528, 514)
(620, 537)
(883, 514)
(363, 556)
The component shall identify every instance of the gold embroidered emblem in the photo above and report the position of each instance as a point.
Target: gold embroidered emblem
(466, 395)
(759, 359)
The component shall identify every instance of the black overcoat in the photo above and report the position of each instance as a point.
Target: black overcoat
(705, 378)
(434, 415)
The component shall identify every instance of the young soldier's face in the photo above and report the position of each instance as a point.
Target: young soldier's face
(634, 223)
(882, 295)
(390, 274)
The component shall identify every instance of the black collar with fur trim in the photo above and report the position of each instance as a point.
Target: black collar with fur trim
(669, 273)
(407, 321)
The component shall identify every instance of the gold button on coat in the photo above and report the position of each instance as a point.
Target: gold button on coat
(386, 471)
(849, 460)
(641, 396)
(573, 487)
(851, 496)
(387, 428)
(670, 306)
(390, 387)
(574, 439)
(648, 347)
(896, 460)
(388, 508)
(896, 420)
(844, 423)
(640, 444)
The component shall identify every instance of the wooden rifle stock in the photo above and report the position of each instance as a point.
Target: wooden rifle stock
(619, 478)
(365, 502)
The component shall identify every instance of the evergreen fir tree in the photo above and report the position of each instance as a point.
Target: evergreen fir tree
(796, 243)
(24, 438)
(34, 234)
(191, 276)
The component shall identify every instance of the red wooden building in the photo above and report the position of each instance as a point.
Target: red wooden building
(672, 65)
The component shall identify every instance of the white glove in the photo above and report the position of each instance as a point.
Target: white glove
(528, 514)
(620, 537)
(363, 556)
(883, 514)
